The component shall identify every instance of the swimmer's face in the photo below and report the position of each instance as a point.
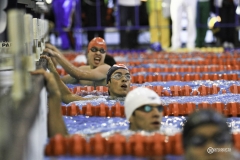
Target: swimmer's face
(147, 117)
(96, 52)
(205, 136)
(96, 56)
(119, 84)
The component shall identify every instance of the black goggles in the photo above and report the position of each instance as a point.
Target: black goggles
(101, 50)
(149, 108)
(201, 140)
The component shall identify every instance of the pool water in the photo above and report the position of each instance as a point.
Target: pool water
(86, 125)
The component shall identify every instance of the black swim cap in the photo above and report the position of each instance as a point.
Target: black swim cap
(202, 117)
(113, 69)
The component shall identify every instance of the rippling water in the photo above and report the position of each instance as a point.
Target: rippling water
(169, 125)
(91, 125)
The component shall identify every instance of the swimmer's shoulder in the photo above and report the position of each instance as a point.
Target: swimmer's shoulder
(85, 67)
(104, 65)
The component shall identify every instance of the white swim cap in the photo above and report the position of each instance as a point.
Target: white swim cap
(139, 97)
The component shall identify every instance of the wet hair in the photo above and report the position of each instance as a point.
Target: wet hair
(109, 60)
(203, 117)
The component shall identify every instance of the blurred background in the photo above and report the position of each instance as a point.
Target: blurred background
(75, 22)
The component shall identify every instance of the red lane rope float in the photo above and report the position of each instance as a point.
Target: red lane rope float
(186, 90)
(117, 145)
(178, 61)
(76, 145)
(172, 56)
(102, 110)
(174, 90)
(72, 110)
(187, 77)
(61, 71)
(189, 69)
(231, 109)
(70, 56)
(156, 145)
(216, 68)
(57, 146)
(236, 141)
(234, 89)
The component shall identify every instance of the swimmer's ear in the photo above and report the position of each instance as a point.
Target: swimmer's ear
(131, 119)
(108, 84)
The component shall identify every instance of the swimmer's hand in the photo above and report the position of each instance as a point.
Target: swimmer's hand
(50, 64)
(51, 83)
(52, 50)
(56, 124)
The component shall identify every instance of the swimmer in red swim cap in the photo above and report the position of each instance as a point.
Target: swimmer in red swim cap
(96, 52)
(93, 74)
(97, 41)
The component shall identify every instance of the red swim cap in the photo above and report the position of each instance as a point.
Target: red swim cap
(97, 42)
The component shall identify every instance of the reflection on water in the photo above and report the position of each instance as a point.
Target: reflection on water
(91, 125)
(170, 124)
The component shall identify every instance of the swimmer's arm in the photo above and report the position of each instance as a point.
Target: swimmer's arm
(73, 97)
(55, 121)
(54, 62)
(69, 80)
(96, 74)
(69, 67)
(66, 95)
(55, 115)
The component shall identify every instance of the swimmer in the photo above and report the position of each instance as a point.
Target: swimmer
(93, 74)
(143, 109)
(118, 78)
(118, 82)
(204, 129)
(55, 121)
